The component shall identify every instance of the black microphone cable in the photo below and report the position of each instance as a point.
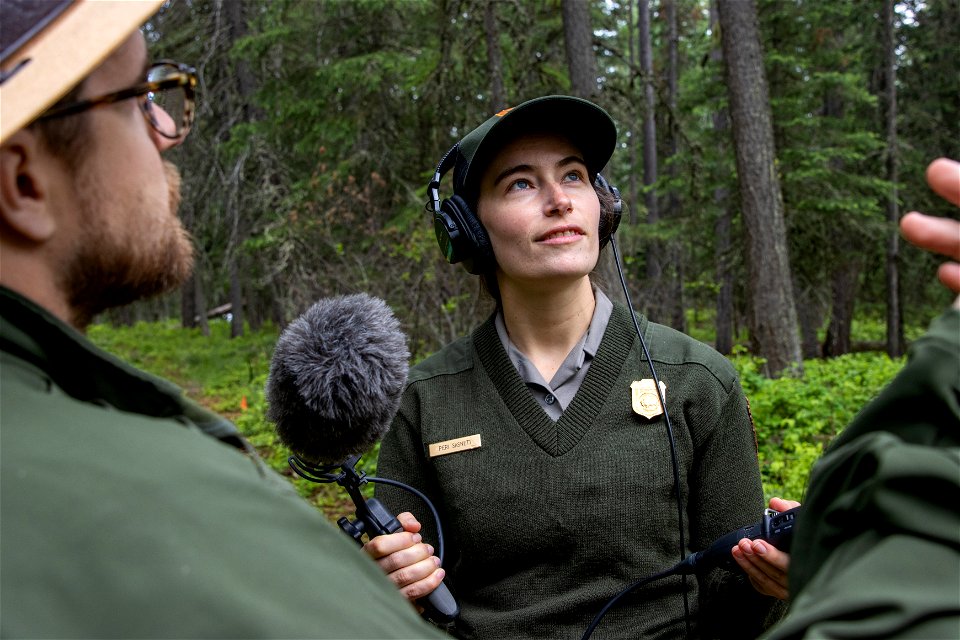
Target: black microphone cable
(350, 479)
(426, 501)
(775, 527)
(614, 600)
(673, 453)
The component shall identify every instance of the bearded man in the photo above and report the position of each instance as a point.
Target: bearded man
(125, 509)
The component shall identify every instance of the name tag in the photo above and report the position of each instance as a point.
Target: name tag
(454, 446)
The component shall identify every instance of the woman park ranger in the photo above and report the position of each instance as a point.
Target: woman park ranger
(541, 438)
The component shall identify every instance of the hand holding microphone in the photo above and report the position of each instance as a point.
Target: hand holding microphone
(765, 564)
(335, 383)
(407, 560)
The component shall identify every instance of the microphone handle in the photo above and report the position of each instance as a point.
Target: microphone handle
(439, 606)
(775, 528)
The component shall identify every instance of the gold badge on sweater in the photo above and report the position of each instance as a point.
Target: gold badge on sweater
(454, 446)
(645, 400)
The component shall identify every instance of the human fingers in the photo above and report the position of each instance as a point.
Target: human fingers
(385, 545)
(424, 586)
(407, 557)
(765, 566)
(410, 568)
(943, 176)
(779, 504)
(408, 522)
(949, 274)
(757, 578)
(940, 235)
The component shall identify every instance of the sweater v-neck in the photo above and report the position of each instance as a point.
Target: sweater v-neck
(558, 438)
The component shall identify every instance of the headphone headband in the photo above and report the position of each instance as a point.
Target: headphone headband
(446, 163)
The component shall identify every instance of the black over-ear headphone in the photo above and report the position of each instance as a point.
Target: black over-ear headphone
(461, 235)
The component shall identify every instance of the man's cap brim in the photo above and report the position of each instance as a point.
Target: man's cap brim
(586, 125)
(55, 58)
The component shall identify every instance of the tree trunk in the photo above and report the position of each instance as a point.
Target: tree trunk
(721, 249)
(654, 258)
(845, 272)
(237, 28)
(193, 312)
(201, 305)
(236, 301)
(894, 313)
(772, 313)
(237, 24)
(578, 40)
(278, 314)
(810, 311)
(722, 228)
(675, 298)
(844, 290)
(188, 298)
(491, 31)
(632, 142)
(188, 303)
(649, 119)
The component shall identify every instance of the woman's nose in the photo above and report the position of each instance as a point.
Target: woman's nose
(558, 201)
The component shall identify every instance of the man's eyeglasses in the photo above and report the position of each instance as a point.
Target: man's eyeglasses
(169, 90)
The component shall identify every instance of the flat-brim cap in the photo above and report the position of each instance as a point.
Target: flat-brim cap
(48, 46)
(587, 126)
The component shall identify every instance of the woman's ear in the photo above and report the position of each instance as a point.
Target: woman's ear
(25, 174)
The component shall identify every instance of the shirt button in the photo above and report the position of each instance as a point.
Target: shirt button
(550, 399)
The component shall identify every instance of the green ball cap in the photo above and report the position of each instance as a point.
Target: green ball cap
(587, 126)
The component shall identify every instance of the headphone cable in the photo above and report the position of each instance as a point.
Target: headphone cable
(673, 444)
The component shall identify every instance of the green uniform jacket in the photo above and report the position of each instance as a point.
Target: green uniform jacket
(876, 553)
(127, 511)
(546, 521)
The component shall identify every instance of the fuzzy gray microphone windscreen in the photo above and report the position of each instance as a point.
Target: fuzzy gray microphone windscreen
(336, 378)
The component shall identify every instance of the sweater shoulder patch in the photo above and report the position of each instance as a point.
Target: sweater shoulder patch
(673, 347)
(454, 358)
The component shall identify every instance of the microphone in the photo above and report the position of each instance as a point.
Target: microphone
(776, 527)
(336, 378)
(334, 386)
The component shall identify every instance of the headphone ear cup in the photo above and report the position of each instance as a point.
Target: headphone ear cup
(609, 222)
(617, 213)
(461, 236)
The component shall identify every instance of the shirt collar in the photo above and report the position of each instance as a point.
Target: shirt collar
(586, 347)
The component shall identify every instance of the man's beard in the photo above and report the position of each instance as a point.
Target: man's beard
(153, 255)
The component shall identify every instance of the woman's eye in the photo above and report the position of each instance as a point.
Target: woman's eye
(520, 184)
(573, 176)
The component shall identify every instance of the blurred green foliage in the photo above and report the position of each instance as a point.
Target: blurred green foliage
(796, 417)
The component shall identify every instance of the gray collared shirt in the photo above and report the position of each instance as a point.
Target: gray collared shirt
(556, 395)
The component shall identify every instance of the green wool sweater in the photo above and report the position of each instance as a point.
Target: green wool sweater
(546, 521)
(876, 553)
(127, 511)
